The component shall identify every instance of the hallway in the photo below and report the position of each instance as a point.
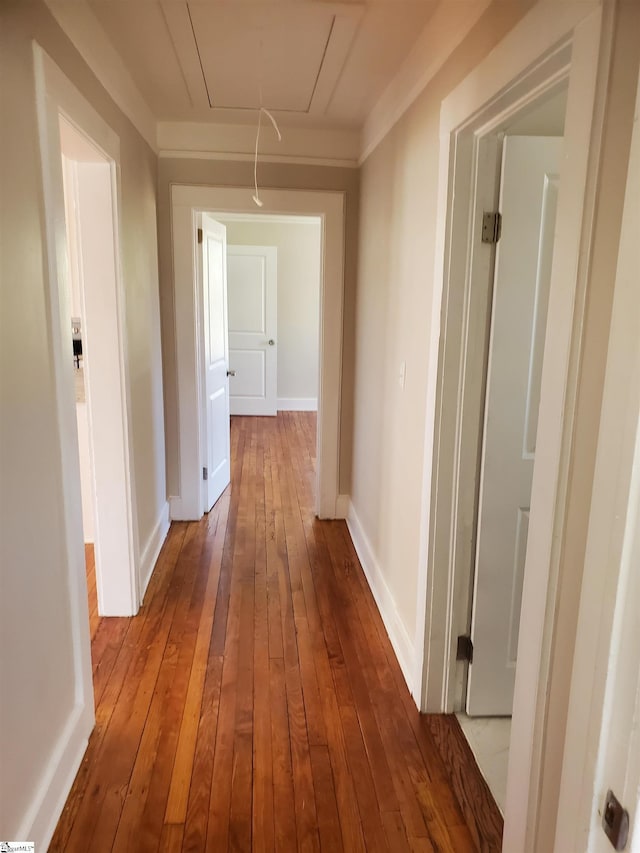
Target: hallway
(255, 702)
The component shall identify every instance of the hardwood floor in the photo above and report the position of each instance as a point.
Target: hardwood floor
(255, 702)
(92, 594)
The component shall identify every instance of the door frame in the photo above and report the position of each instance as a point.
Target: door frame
(608, 619)
(541, 53)
(186, 203)
(120, 591)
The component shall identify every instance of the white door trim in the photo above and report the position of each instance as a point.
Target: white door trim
(606, 675)
(538, 54)
(186, 201)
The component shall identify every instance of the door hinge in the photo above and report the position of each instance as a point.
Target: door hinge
(465, 648)
(199, 235)
(205, 473)
(491, 227)
(615, 821)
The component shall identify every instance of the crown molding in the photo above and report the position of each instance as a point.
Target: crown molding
(268, 218)
(232, 156)
(90, 40)
(305, 146)
(444, 31)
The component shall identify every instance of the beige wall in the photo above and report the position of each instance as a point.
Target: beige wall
(240, 174)
(298, 246)
(35, 622)
(393, 304)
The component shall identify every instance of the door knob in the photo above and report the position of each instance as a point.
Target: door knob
(231, 373)
(271, 342)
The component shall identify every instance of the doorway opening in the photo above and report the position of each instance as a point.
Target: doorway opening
(528, 149)
(273, 283)
(532, 65)
(259, 275)
(188, 204)
(516, 176)
(76, 150)
(95, 325)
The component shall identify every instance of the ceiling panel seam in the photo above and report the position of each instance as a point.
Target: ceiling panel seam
(199, 57)
(177, 55)
(343, 64)
(324, 53)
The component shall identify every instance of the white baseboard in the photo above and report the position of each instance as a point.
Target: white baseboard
(400, 640)
(177, 510)
(41, 819)
(343, 503)
(297, 404)
(152, 549)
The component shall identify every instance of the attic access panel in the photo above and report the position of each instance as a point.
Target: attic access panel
(245, 48)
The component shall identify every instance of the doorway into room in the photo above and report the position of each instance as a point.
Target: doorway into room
(524, 71)
(272, 305)
(95, 326)
(483, 316)
(529, 151)
(188, 206)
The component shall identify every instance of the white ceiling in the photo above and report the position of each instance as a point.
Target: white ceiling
(313, 63)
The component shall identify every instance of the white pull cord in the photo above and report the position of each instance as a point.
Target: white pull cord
(256, 197)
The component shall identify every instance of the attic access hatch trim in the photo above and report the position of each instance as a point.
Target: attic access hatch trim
(193, 36)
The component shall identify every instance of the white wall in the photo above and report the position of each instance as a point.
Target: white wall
(298, 246)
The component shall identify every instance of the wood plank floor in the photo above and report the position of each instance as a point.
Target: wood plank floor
(255, 702)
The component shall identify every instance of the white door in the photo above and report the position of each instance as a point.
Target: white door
(528, 194)
(253, 320)
(216, 441)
